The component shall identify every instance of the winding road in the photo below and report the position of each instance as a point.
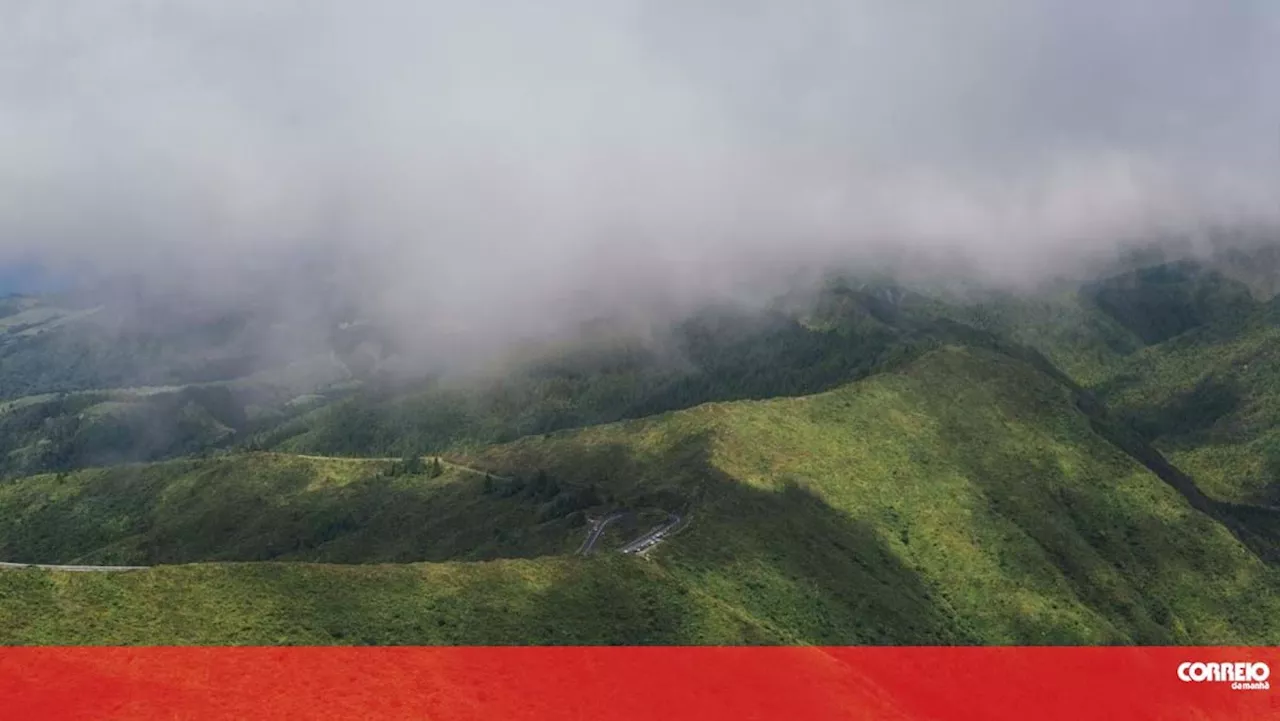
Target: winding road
(638, 546)
(597, 528)
(74, 569)
(642, 544)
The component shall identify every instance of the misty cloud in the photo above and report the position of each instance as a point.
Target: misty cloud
(476, 170)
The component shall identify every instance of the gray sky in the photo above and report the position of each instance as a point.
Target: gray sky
(495, 167)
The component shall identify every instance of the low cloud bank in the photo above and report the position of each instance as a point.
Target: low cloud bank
(471, 173)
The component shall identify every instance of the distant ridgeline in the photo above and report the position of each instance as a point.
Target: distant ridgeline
(864, 464)
(326, 395)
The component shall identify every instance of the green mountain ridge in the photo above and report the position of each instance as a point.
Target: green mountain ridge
(867, 464)
(963, 498)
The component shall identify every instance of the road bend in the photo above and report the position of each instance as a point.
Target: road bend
(596, 529)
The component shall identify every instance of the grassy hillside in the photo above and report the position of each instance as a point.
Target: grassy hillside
(1182, 354)
(1210, 399)
(1089, 330)
(86, 383)
(720, 354)
(937, 484)
(1066, 326)
(603, 600)
(254, 507)
(968, 483)
(962, 499)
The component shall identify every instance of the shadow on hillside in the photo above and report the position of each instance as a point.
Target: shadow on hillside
(1107, 553)
(782, 566)
(755, 565)
(243, 509)
(1258, 528)
(1188, 419)
(781, 555)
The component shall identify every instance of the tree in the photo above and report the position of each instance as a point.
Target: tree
(412, 464)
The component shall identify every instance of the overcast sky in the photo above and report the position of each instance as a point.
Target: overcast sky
(492, 165)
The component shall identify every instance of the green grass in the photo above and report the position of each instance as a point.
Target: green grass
(604, 600)
(965, 496)
(263, 506)
(1210, 399)
(1065, 326)
(961, 499)
(1181, 353)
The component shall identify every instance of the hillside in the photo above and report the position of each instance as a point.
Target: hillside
(604, 600)
(259, 506)
(964, 498)
(1182, 354)
(84, 384)
(721, 353)
(1210, 400)
(968, 477)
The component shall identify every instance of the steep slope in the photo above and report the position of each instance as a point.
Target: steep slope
(1066, 326)
(969, 479)
(963, 498)
(1159, 302)
(1088, 330)
(1181, 353)
(1210, 400)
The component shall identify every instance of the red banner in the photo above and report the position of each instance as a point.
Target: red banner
(670, 684)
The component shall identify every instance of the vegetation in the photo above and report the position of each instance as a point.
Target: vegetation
(1183, 355)
(261, 506)
(964, 498)
(1210, 399)
(52, 350)
(969, 482)
(602, 600)
(719, 355)
(1160, 302)
(1088, 465)
(64, 431)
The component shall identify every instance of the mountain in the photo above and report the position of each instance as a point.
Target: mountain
(1210, 400)
(865, 463)
(963, 498)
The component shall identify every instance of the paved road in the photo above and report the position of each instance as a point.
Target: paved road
(54, 567)
(639, 545)
(642, 544)
(594, 534)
